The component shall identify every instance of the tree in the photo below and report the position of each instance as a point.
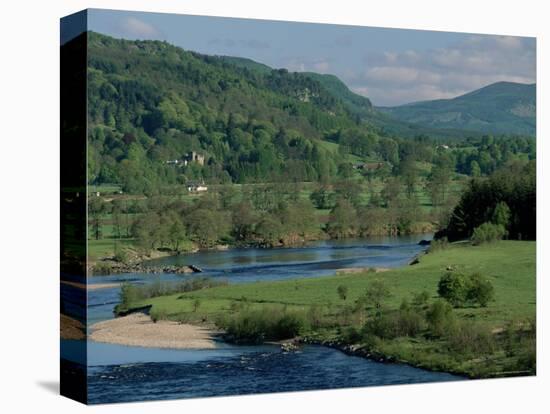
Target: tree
(349, 190)
(437, 185)
(342, 220)
(269, 230)
(501, 214)
(390, 192)
(176, 231)
(96, 209)
(376, 293)
(409, 172)
(244, 219)
(322, 197)
(207, 227)
(475, 170)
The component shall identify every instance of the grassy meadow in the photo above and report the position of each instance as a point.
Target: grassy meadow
(508, 265)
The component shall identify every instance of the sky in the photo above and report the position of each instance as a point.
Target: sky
(389, 66)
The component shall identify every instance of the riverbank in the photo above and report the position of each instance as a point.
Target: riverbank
(136, 262)
(327, 311)
(139, 330)
(94, 286)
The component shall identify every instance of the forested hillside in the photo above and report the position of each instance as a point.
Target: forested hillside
(150, 102)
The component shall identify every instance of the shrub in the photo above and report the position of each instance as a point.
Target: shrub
(265, 324)
(480, 291)
(404, 322)
(421, 299)
(315, 317)
(467, 337)
(352, 335)
(409, 322)
(158, 314)
(342, 292)
(440, 318)
(460, 289)
(453, 287)
(383, 326)
(129, 294)
(487, 233)
(121, 255)
(102, 268)
(376, 293)
(196, 304)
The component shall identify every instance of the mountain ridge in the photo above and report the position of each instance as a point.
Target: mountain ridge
(500, 108)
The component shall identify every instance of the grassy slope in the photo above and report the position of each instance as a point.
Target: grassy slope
(510, 265)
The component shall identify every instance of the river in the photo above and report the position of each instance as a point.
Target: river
(120, 373)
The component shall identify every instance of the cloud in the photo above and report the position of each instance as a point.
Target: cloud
(304, 65)
(138, 28)
(228, 43)
(394, 78)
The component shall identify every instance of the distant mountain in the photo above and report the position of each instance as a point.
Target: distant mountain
(499, 108)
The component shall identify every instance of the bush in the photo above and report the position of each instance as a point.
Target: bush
(129, 294)
(469, 338)
(383, 326)
(376, 293)
(102, 268)
(440, 318)
(480, 291)
(421, 299)
(266, 324)
(487, 233)
(121, 255)
(315, 317)
(351, 335)
(460, 289)
(453, 287)
(342, 292)
(404, 322)
(409, 322)
(158, 314)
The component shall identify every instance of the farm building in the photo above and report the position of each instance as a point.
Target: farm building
(196, 187)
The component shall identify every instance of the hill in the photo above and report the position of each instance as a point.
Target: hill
(151, 102)
(499, 108)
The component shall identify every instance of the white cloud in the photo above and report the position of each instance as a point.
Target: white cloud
(394, 78)
(298, 65)
(138, 28)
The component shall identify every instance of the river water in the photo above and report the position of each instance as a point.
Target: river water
(121, 373)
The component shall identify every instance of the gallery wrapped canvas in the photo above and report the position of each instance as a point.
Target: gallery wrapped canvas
(257, 206)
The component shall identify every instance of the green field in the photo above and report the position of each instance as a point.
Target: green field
(509, 265)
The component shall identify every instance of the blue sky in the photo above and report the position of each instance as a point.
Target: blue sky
(390, 66)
